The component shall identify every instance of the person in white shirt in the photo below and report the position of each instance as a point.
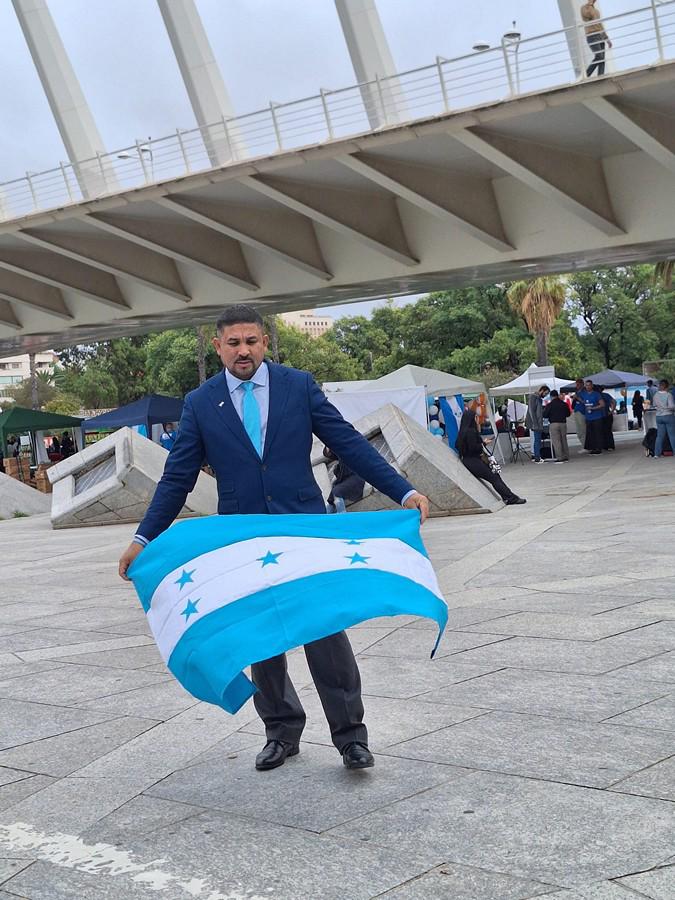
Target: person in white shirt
(664, 404)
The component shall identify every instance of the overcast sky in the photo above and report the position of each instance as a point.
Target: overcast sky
(267, 50)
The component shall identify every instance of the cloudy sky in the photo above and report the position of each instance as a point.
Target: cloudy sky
(267, 50)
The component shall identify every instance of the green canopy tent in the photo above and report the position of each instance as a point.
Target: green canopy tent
(19, 420)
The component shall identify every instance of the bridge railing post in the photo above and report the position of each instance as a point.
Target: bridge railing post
(141, 157)
(181, 144)
(66, 182)
(326, 112)
(507, 65)
(29, 179)
(444, 91)
(275, 122)
(380, 97)
(657, 30)
(579, 37)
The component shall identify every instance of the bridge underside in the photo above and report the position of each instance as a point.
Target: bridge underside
(553, 182)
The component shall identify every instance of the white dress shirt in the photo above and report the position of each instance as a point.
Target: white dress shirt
(261, 392)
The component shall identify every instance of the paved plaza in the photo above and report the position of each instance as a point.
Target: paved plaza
(535, 756)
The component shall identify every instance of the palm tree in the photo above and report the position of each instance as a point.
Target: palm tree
(35, 402)
(663, 272)
(202, 339)
(539, 302)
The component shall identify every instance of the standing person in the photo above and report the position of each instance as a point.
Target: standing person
(608, 420)
(664, 404)
(254, 422)
(56, 446)
(596, 37)
(168, 436)
(67, 446)
(594, 410)
(558, 412)
(534, 420)
(579, 413)
(471, 449)
(651, 391)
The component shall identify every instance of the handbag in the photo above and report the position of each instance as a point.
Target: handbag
(488, 458)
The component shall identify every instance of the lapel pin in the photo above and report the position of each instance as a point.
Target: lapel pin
(221, 403)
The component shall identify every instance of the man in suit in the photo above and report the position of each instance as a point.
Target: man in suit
(253, 423)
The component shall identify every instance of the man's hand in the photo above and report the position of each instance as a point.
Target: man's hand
(128, 557)
(418, 501)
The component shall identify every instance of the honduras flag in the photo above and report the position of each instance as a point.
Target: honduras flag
(452, 407)
(223, 592)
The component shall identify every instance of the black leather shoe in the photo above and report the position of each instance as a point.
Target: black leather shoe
(274, 754)
(357, 756)
(515, 501)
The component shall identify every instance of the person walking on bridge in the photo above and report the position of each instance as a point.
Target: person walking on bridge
(596, 37)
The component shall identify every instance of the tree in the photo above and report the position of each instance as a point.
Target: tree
(539, 302)
(65, 404)
(273, 331)
(23, 393)
(316, 355)
(201, 353)
(663, 272)
(34, 402)
(171, 365)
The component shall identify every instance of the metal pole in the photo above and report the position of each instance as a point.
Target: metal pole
(181, 144)
(326, 113)
(65, 178)
(444, 92)
(508, 68)
(383, 108)
(100, 165)
(276, 124)
(657, 30)
(228, 138)
(142, 161)
(32, 190)
(578, 33)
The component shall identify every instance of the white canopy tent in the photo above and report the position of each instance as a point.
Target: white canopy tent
(523, 384)
(354, 405)
(436, 383)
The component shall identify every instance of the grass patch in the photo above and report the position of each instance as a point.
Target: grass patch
(19, 515)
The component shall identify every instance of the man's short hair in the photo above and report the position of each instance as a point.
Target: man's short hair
(554, 393)
(238, 314)
(663, 381)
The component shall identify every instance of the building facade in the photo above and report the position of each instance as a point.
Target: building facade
(14, 369)
(308, 322)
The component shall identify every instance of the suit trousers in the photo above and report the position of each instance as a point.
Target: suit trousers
(558, 432)
(580, 421)
(338, 683)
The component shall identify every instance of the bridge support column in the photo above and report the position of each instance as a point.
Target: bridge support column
(69, 107)
(204, 83)
(372, 61)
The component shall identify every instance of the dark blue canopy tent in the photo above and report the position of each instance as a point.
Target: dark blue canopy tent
(151, 410)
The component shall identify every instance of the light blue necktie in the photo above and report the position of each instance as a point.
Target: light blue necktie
(251, 417)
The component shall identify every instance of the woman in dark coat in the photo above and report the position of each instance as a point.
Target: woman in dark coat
(638, 407)
(471, 449)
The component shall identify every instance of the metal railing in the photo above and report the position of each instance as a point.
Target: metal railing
(641, 37)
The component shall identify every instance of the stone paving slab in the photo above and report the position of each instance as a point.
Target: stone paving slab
(400, 677)
(563, 627)
(302, 794)
(417, 643)
(76, 684)
(65, 753)
(22, 722)
(524, 828)
(656, 781)
(658, 714)
(659, 884)
(538, 747)
(546, 694)
(453, 882)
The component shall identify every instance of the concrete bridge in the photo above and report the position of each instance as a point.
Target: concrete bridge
(503, 164)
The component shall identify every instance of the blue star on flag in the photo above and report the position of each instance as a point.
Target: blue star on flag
(355, 543)
(190, 609)
(357, 558)
(269, 558)
(185, 578)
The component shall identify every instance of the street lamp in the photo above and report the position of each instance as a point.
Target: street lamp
(511, 43)
(481, 46)
(140, 151)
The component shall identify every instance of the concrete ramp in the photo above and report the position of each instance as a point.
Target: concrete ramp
(113, 480)
(16, 497)
(426, 462)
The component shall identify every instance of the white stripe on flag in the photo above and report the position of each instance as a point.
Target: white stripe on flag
(230, 573)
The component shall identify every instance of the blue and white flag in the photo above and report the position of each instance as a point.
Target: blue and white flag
(223, 592)
(452, 407)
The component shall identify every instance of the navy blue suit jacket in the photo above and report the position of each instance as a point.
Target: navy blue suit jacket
(282, 481)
